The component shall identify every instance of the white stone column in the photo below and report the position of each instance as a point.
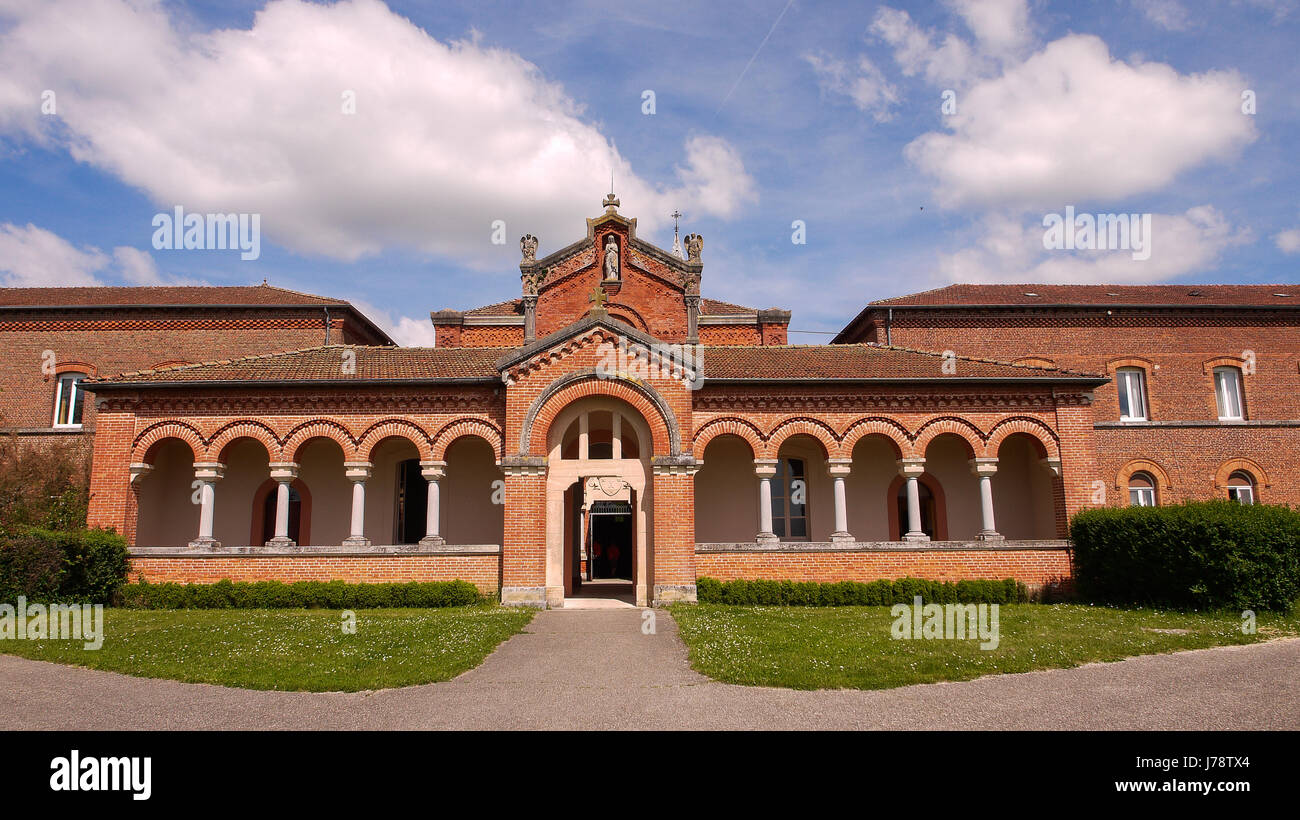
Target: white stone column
(839, 469)
(284, 472)
(765, 468)
(912, 469)
(984, 469)
(616, 435)
(207, 473)
(357, 472)
(583, 437)
(433, 471)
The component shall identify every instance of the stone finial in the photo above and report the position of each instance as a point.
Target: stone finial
(528, 247)
(694, 245)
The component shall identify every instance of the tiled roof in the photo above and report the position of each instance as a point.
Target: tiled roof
(860, 361)
(1024, 295)
(510, 307)
(165, 295)
(328, 364)
(712, 307)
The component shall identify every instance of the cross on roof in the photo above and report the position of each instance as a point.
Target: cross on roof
(598, 297)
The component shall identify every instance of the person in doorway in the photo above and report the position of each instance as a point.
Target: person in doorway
(613, 552)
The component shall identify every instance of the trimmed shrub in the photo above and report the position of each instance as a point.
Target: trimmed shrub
(1195, 555)
(856, 593)
(225, 594)
(68, 566)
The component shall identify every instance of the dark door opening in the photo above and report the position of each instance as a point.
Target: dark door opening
(412, 502)
(613, 542)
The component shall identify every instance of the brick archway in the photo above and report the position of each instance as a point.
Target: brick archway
(559, 394)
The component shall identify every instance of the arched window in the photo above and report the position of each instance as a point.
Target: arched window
(1241, 487)
(1131, 382)
(790, 500)
(1141, 490)
(1228, 395)
(604, 428)
(67, 400)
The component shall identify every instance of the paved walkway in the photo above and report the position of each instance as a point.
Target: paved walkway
(594, 669)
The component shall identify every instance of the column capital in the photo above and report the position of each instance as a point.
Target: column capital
(984, 467)
(674, 465)
(139, 470)
(284, 471)
(765, 467)
(911, 467)
(432, 470)
(519, 465)
(357, 470)
(209, 470)
(1052, 465)
(839, 467)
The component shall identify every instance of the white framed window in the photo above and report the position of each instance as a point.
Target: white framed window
(1227, 392)
(68, 400)
(1241, 487)
(1141, 490)
(1131, 382)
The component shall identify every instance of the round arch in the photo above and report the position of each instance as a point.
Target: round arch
(394, 428)
(1232, 465)
(236, 430)
(664, 432)
(152, 435)
(1151, 468)
(1043, 436)
(460, 428)
(801, 426)
(331, 430)
(863, 428)
(730, 426)
(959, 427)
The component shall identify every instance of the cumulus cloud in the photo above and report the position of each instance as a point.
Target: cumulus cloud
(1288, 241)
(1011, 250)
(1071, 123)
(952, 62)
(446, 138)
(1167, 14)
(33, 257)
(864, 84)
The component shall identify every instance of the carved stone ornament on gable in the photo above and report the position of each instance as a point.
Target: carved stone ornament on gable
(611, 258)
(690, 282)
(532, 280)
(528, 246)
(694, 244)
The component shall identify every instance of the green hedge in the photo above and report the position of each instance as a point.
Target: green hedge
(225, 594)
(67, 566)
(1196, 555)
(856, 593)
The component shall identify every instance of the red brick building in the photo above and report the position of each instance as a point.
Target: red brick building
(52, 338)
(1204, 397)
(609, 424)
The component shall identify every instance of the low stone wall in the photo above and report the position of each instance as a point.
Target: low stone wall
(479, 564)
(1034, 562)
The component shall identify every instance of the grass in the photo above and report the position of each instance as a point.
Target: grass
(290, 649)
(851, 647)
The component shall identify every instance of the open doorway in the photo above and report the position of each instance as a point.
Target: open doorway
(613, 544)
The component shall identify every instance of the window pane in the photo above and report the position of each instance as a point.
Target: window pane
(76, 401)
(778, 527)
(1122, 384)
(69, 401)
(798, 528)
(1228, 388)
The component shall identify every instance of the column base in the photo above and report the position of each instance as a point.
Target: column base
(432, 541)
(767, 538)
(990, 535)
(204, 543)
(356, 541)
(842, 538)
(281, 542)
(916, 537)
(534, 597)
(674, 594)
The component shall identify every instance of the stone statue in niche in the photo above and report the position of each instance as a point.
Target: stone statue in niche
(528, 246)
(611, 259)
(694, 244)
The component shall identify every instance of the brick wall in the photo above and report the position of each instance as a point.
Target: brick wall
(483, 571)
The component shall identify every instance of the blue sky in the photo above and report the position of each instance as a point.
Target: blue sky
(468, 113)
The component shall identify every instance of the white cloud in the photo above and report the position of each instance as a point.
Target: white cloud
(404, 330)
(1071, 124)
(137, 266)
(446, 138)
(951, 63)
(1168, 14)
(1288, 241)
(999, 26)
(1012, 251)
(32, 257)
(864, 84)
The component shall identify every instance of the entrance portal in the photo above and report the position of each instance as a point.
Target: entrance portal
(613, 541)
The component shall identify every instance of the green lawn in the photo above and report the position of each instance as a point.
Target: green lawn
(851, 647)
(290, 649)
